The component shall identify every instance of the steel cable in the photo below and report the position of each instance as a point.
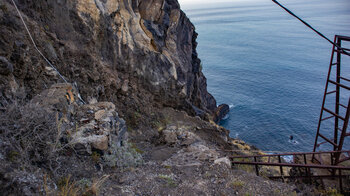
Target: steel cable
(31, 38)
(308, 25)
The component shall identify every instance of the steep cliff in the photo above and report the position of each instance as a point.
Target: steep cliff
(128, 59)
(134, 53)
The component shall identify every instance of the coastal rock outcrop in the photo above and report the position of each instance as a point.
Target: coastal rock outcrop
(220, 112)
(131, 53)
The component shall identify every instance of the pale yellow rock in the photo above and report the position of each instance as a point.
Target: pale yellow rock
(88, 7)
(125, 86)
(100, 142)
(223, 160)
(112, 6)
(170, 137)
(13, 84)
(175, 16)
(100, 114)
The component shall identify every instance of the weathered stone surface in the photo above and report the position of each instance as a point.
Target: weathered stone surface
(99, 127)
(50, 51)
(5, 66)
(224, 160)
(193, 155)
(170, 136)
(59, 97)
(177, 135)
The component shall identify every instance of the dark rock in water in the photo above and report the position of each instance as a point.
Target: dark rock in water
(221, 112)
(5, 66)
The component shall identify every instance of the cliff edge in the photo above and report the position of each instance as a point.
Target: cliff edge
(129, 119)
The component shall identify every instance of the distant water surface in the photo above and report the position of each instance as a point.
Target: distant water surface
(269, 67)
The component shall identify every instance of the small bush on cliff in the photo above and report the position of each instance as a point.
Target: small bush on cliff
(237, 184)
(69, 187)
(123, 157)
(169, 180)
(31, 136)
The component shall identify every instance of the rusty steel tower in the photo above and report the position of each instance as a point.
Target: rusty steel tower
(331, 149)
(336, 86)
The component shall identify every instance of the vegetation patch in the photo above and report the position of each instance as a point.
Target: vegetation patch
(134, 147)
(237, 184)
(33, 136)
(69, 187)
(123, 156)
(169, 180)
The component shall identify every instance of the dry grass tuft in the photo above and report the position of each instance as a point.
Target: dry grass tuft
(33, 135)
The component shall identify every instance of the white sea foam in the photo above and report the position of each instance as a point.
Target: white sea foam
(288, 159)
(227, 116)
(236, 135)
(294, 142)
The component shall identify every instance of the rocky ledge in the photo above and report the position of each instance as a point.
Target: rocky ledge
(79, 148)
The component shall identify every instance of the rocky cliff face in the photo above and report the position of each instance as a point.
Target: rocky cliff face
(127, 59)
(130, 52)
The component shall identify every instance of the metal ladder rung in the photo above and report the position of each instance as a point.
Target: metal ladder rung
(334, 114)
(327, 118)
(338, 84)
(340, 111)
(319, 144)
(343, 106)
(331, 92)
(341, 52)
(328, 140)
(344, 159)
(344, 79)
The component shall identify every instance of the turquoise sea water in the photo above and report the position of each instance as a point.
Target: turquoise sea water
(269, 67)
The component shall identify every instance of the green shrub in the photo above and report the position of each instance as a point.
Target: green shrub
(169, 180)
(237, 184)
(123, 156)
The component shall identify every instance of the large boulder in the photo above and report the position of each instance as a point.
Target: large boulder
(98, 127)
(86, 127)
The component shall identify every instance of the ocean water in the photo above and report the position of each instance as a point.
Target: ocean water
(269, 67)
